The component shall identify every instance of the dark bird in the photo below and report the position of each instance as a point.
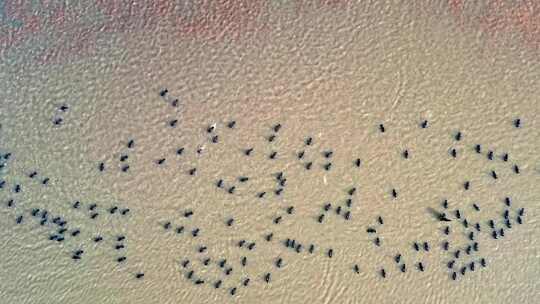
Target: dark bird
(467, 185)
(424, 124)
(231, 189)
(453, 152)
(406, 154)
(248, 152)
(173, 122)
(309, 141)
(420, 266)
(308, 165)
(381, 128)
(494, 174)
(320, 218)
(139, 275)
(271, 138)
(121, 259)
(357, 162)
(416, 246)
(300, 154)
(195, 232)
(383, 273)
(277, 127)
(507, 201)
(290, 210)
(397, 258)
(160, 161)
(124, 211)
(328, 154)
(273, 155)
(478, 149)
(516, 169)
(458, 136)
(243, 261)
(217, 284)
(440, 216)
(231, 124)
(490, 155)
(230, 222)
(179, 151)
(505, 157)
(233, 291)
(163, 92)
(475, 206)
(394, 193)
(403, 268)
(267, 277)
(380, 219)
(124, 157)
(243, 179)
(131, 143)
(517, 123)
(356, 268)
(19, 219)
(330, 253)
(269, 236)
(327, 166)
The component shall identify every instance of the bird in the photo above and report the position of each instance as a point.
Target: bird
(243, 261)
(300, 154)
(273, 155)
(179, 151)
(416, 246)
(405, 154)
(478, 148)
(131, 143)
(381, 128)
(403, 268)
(217, 284)
(426, 246)
(271, 138)
(420, 266)
(330, 252)
(279, 262)
(380, 219)
(19, 219)
(269, 236)
(308, 165)
(163, 92)
(309, 141)
(453, 152)
(467, 185)
(457, 137)
(424, 124)
(357, 162)
(231, 124)
(517, 122)
(475, 206)
(328, 154)
(377, 241)
(277, 127)
(248, 152)
(516, 169)
(230, 222)
(267, 277)
(139, 275)
(327, 166)
(356, 268)
(394, 193)
(383, 273)
(290, 210)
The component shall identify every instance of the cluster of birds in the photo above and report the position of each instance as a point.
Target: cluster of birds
(462, 259)
(55, 226)
(58, 118)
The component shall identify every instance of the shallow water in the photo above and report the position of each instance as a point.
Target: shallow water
(333, 73)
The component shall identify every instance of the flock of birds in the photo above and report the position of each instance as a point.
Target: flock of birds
(463, 258)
